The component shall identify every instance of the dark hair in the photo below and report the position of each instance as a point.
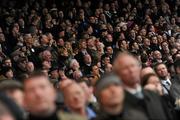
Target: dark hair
(145, 78)
(7, 58)
(83, 79)
(104, 56)
(5, 69)
(157, 64)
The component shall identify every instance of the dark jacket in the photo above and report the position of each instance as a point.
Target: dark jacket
(131, 114)
(150, 105)
(79, 58)
(51, 117)
(16, 111)
(175, 87)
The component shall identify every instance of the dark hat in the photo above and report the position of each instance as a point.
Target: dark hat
(105, 81)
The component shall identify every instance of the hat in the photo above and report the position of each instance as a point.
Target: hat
(105, 81)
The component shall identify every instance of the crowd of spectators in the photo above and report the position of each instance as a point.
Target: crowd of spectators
(89, 59)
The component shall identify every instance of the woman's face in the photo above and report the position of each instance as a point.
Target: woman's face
(154, 80)
(9, 74)
(95, 70)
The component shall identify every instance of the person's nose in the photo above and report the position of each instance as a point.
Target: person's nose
(38, 93)
(112, 89)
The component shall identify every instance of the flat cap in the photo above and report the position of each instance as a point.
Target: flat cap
(105, 81)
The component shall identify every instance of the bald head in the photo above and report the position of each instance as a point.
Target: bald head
(146, 70)
(128, 68)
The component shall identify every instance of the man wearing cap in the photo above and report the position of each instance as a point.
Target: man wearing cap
(110, 94)
(128, 69)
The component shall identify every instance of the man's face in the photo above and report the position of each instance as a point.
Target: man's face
(109, 38)
(90, 43)
(128, 69)
(75, 65)
(87, 59)
(8, 63)
(132, 33)
(28, 39)
(84, 45)
(154, 40)
(54, 74)
(162, 71)
(22, 65)
(74, 97)
(139, 39)
(92, 20)
(147, 42)
(157, 55)
(47, 55)
(45, 39)
(165, 45)
(46, 65)
(39, 95)
(106, 60)
(111, 99)
(60, 42)
(143, 32)
(136, 46)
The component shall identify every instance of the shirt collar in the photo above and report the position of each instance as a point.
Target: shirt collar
(90, 114)
(165, 81)
(134, 90)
